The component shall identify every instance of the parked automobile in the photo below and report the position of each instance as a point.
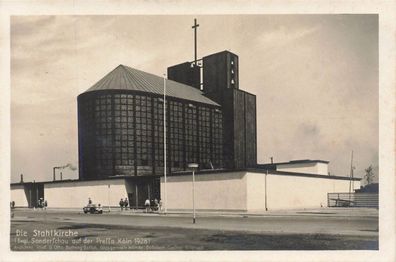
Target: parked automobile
(93, 209)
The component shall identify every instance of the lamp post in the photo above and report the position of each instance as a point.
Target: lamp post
(193, 166)
(165, 196)
(265, 190)
(108, 195)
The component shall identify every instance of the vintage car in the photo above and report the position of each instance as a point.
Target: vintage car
(92, 209)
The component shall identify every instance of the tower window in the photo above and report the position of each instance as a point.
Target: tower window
(232, 81)
(232, 62)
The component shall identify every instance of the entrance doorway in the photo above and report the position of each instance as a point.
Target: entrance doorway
(142, 190)
(33, 192)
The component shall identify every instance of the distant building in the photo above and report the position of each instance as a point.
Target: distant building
(370, 188)
(307, 166)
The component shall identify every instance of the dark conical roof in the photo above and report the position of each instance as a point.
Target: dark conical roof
(127, 78)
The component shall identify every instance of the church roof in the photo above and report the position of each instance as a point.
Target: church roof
(127, 78)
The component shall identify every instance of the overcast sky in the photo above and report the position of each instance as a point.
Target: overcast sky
(315, 78)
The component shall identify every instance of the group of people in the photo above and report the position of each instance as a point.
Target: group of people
(124, 204)
(96, 208)
(150, 205)
(153, 205)
(41, 203)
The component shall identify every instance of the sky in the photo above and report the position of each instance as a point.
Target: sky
(315, 78)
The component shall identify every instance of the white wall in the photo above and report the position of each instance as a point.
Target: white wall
(18, 195)
(307, 168)
(292, 192)
(75, 194)
(322, 169)
(226, 191)
(255, 191)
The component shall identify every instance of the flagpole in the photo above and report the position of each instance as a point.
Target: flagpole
(165, 196)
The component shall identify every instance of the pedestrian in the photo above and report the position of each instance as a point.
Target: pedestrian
(147, 205)
(156, 205)
(45, 204)
(121, 204)
(126, 203)
(89, 201)
(99, 209)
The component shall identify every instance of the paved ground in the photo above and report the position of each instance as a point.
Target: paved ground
(307, 229)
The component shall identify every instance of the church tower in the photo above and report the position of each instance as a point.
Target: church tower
(217, 75)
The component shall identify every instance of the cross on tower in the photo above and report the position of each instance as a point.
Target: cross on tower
(195, 26)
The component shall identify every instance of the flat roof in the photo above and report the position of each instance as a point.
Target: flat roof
(201, 172)
(302, 161)
(263, 171)
(88, 180)
(284, 173)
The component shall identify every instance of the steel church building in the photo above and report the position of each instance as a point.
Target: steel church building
(209, 121)
(120, 121)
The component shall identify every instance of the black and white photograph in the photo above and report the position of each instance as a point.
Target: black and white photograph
(200, 132)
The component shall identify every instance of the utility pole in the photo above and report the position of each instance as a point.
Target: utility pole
(193, 166)
(165, 196)
(108, 196)
(265, 190)
(351, 177)
(195, 26)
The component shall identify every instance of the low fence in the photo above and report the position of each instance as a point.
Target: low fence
(352, 200)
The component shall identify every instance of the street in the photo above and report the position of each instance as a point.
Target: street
(42, 230)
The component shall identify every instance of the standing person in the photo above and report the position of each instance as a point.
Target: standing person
(45, 204)
(99, 209)
(126, 203)
(121, 204)
(156, 205)
(89, 201)
(147, 205)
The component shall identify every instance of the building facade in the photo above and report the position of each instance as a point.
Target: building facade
(210, 122)
(249, 190)
(121, 127)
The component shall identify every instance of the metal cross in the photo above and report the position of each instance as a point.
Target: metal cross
(195, 26)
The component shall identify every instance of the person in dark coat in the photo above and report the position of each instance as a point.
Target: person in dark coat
(121, 204)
